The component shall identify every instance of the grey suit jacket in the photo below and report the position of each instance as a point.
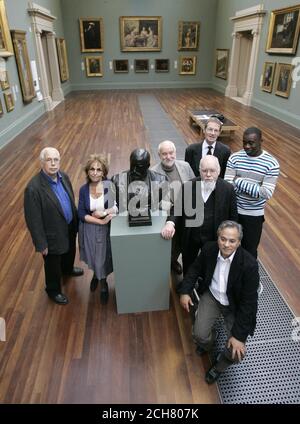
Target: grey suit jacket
(44, 215)
(184, 170)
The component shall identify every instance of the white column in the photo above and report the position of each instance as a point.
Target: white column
(231, 89)
(57, 93)
(252, 68)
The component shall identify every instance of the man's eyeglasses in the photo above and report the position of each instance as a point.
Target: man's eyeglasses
(56, 160)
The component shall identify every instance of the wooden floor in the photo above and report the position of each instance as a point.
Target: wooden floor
(86, 352)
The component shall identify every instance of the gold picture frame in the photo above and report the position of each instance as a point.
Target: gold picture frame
(9, 101)
(187, 65)
(23, 65)
(121, 66)
(283, 79)
(62, 59)
(222, 60)
(268, 76)
(91, 35)
(140, 33)
(93, 66)
(188, 35)
(6, 47)
(283, 33)
(5, 82)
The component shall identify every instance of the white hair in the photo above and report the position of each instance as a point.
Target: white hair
(161, 145)
(44, 152)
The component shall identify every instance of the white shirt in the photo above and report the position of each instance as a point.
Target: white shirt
(218, 286)
(205, 148)
(97, 204)
(206, 192)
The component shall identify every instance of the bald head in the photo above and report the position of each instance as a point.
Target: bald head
(209, 168)
(167, 153)
(50, 161)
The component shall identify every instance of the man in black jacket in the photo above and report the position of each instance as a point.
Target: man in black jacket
(228, 280)
(209, 146)
(51, 218)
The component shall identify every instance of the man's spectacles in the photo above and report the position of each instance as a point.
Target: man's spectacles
(56, 160)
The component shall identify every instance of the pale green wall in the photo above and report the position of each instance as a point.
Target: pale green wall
(287, 110)
(14, 122)
(171, 12)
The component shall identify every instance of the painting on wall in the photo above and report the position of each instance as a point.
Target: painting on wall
(62, 59)
(4, 81)
(93, 66)
(162, 65)
(6, 47)
(141, 65)
(283, 34)
(222, 60)
(121, 66)
(140, 33)
(9, 101)
(187, 65)
(268, 76)
(23, 65)
(188, 35)
(91, 35)
(283, 79)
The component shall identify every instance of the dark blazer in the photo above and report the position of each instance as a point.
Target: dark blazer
(84, 199)
(243, 282)
(44, 216)
(225, 207)
(193, 155)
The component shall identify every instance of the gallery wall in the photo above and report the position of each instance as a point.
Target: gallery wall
(13, 122)
(171, 12)
(286, 109)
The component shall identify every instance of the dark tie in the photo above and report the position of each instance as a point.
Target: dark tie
(209, 150)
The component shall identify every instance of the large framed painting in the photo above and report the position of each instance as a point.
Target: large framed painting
(187, 65)
(222, 59)
(9, 101)
(93, 66)
(283, 79)
(91, 35)
(188, 35)
(5, 81)
(140, 33)
(268, 76)
(62, 59)
(121, 66)
(6, 47)
(23, 65)
(283, 32)
(162, 65)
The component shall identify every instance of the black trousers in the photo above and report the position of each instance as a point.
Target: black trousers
(189, 256)
(252, 229)
(57, 265)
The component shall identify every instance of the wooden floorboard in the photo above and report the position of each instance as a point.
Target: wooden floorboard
(86, 352)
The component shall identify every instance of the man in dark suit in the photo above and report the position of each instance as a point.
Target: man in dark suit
(51, 218)
(209, 146)
(215, 196)
(228, 281)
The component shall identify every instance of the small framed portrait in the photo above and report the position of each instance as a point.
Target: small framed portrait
(121, 66)
(6, 47)
(283, 33)
(1, 108)
(140, 33)
(141, 65)
(162, 65)
(9, 101)
(268, 76)
(188, 35)
(93, 66)
(222, 59)
(4, 81)
(187, 65)
(91, 35)
(283, 79)
(62, 59)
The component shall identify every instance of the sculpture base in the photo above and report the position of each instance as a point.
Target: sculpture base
(140, 220)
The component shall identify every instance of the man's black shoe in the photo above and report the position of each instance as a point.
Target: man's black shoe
(59, 298)
(212, 375)
(94, 284)
(104, 292)
(176, 267)
(76, 272)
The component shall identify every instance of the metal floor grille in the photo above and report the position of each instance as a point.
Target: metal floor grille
(270, 372)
